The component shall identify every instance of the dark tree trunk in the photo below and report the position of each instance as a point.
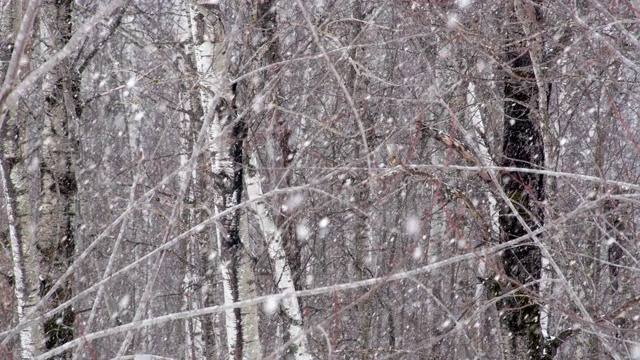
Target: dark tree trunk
(522, 148)
(615, 232)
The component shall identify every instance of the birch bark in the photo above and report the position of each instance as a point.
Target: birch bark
(22, 237)
(212, 49)
(290, 306)
(207, 37)
(283, 246)
(15, 186)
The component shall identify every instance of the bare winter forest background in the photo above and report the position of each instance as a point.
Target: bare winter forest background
(327, 179)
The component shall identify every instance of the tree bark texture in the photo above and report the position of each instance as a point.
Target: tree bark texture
(228, 178)
(227, 133)
(14, 164)
(615, 227)
(56, 230)
(21, 235)
(522, 148)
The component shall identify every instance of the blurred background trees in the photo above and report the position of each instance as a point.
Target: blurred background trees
(319, 179)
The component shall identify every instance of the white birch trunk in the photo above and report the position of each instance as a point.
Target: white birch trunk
(247, 290)
(14, 177)
(25, 265)
(209, 78)
(225, 152)
(290, 308)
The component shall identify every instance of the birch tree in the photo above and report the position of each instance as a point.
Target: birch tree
(290, 306)
(276, 230)
(16, 25)
(325, 179)
(212, 66)
(213, 47)
(13, 169)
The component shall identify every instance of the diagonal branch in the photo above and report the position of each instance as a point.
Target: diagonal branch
(455, 144)
(10, 94)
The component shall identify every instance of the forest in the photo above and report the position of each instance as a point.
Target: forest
(319, 179)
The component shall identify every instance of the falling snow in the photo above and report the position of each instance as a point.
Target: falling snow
(205, 175)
